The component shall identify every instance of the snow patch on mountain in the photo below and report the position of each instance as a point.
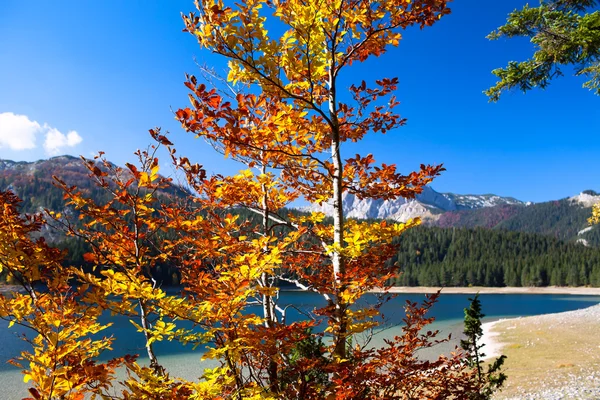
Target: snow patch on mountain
(583, 242)
(472, 201)
(585, 230)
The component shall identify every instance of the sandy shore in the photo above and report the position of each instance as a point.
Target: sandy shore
(550, 357)
(497, 290)
(492, 347)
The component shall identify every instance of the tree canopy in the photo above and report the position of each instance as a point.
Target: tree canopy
(564, 33)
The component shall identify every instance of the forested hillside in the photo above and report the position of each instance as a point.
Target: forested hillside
(35, 185)
(431, 256)
(562, 219)
(505, 245)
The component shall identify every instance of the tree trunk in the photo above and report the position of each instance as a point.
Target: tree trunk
(267, 300)
(158, 369)
(337, 259)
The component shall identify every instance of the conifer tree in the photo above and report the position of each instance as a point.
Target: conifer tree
(564, 33)
(490, 380)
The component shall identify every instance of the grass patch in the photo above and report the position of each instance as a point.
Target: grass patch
(546, 351)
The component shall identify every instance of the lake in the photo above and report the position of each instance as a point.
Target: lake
(182, 361)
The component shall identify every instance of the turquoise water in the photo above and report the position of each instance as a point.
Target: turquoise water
(185, 362)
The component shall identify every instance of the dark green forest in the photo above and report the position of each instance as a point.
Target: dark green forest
(431, 256)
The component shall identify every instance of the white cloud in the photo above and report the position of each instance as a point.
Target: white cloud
(56, 141)
(18, 132)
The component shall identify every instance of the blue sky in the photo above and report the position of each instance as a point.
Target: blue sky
(80, 76)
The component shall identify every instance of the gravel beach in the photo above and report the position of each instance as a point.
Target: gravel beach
(550, 357)
(592, 291)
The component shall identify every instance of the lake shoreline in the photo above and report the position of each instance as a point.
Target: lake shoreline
(492, 347)
(185, 363)
(583, 291)
(589, 291)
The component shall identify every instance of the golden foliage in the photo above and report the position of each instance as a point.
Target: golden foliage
(595, 218)
(286, 124)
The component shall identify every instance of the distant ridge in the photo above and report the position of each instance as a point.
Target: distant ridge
(428, 205)
(564, 219)
(466, 239)
(33, 181)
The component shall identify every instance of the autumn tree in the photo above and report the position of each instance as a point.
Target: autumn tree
(298, 115)
(63, 332)
(595, 218)
(285, 117)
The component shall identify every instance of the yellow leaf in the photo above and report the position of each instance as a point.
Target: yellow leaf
(154, 172)
(144, 179)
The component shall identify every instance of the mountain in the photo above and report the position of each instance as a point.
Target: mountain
(475, 201)
(565, 219)
(467, 239)
(33, 182)
(429, 205)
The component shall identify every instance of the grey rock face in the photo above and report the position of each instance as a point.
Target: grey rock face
(428, 205)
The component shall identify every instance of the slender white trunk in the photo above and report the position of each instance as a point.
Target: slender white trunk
(149, 348)
(268, 304)
(267, 300)
(337, 259)
(144, 317)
